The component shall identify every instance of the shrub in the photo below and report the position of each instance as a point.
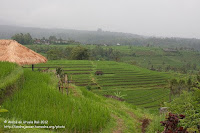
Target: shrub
(187, 104)
(171, 124)
(88, 87)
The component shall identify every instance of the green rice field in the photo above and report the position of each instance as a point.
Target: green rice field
(136, 85)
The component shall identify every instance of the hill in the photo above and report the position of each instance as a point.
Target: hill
(39, 104)
(99, 37)
(133, 84)
(152, 57)
(11, 77)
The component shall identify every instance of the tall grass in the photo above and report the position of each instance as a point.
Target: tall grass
(40, 100)
(6, 68)
(155, 125)
(11, 77)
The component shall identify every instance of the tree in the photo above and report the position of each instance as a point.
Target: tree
(23, 38)
(54, 54)
(99, 30)
(181, 86)
(194, 66)
(67, 52)
(116, 55)
(98, 51)
(27, 39)
(52, 39)
(18, 38)
(172, 86)
(198, 78)
(80, 53)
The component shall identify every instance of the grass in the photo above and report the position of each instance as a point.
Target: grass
(42, 101)
(11, 78)
(145, 56)
(141, 87)
(6, 68)
(155, 125)
(130, 80)
(80, 111)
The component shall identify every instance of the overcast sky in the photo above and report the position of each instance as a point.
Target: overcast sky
(167, 18)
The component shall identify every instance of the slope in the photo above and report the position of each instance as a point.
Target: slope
(39, 99)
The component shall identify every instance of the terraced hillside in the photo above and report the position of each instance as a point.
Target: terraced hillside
(11, 77)
(147, 57)
(136, 85)
(38, 98)
(6, 68)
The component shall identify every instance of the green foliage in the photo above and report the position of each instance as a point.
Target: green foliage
(40, 100)
(198, 78)
(3, 110)
(54, 54)
(6, 68)
(187, 104)
(12, 77)
(118, 94)
(23, 38)
(155, 125)
(88, 87)
(171, 124)
(80, 53)
(189, 83)
(59, 71)
(140, 86)
(52, 39)
(177, 87)
(100, 53)
(139, 54)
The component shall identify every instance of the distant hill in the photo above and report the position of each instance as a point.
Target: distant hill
(99, 37)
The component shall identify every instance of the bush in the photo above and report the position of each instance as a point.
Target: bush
(187, 104)
(171, 124)
(88, 88)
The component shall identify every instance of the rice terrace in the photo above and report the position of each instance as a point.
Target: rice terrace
(109, 82)
(140, 86)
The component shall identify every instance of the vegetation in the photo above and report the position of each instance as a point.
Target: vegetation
(153, 58)
(80, 111)
(6, 68)
(138, 86)
(120, 97)
(189, 107)
(11, 78)
(76, 116)
(23, 38)
(171, 124)
(101, 37)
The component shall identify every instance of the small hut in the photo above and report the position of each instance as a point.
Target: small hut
(98, 73)
(12, 51)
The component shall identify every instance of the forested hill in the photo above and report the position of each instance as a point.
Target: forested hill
(99, 37)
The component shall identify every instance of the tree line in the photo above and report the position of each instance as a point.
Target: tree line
(23, 38)
(26, 39)
(79, 52)
(101, 37)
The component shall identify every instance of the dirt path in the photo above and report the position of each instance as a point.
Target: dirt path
(145, 121)
(120, 125)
